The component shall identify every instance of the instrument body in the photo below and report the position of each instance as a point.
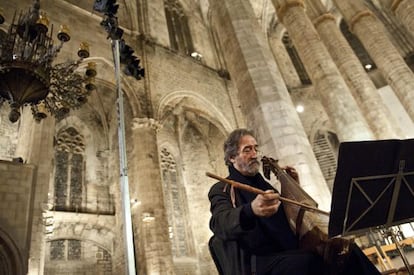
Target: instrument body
(311, 227)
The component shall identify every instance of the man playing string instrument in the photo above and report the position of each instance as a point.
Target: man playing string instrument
(251, 231)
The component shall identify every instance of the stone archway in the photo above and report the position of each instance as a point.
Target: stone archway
(11, 262)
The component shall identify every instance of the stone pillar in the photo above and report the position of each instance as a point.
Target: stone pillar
(403, 10)
(363, 89)
(35, 146)
(286, 67)
(331, 87)
(264, 98)
(150, 222)
(363, 23)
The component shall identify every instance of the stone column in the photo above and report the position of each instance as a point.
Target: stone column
(363, 89)
(363, 23)
(264, 98)
(286, 67)
(331, 87)
(150, 222)
(403, 10)
(35, 146)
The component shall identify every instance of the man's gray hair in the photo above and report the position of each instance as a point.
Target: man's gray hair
(231, 145)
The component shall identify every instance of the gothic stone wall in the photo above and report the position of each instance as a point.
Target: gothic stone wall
(16, 195)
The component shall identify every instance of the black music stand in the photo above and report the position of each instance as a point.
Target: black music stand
(373, 188)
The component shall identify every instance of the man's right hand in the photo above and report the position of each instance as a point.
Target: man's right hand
(267, 204)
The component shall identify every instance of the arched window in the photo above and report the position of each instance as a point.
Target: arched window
(325, 147)
(65, 250)
(178, 30)
(176, 204)
(69, 170)
(297, 62)
(73, 256)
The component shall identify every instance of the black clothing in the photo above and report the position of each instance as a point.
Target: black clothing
(240, 236)
(290, 262)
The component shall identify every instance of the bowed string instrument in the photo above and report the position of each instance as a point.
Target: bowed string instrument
(309, 222)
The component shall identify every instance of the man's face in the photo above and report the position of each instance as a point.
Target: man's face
(246, 159)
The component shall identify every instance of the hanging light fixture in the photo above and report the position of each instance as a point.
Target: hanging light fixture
(28, 73)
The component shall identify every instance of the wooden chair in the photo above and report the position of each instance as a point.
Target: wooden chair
(385, 263)
(391, 247)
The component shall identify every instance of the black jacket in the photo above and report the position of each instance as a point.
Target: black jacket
(238, 233)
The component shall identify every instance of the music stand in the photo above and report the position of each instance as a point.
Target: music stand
(373, 188)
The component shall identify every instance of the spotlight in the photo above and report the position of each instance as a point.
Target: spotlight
(110, 24)
(132, 68)
(106, 6)
(125, 51)
(116, 33)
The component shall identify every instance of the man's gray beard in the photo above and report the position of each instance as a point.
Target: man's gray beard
(253, 168)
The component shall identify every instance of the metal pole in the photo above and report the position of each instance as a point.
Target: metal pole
(125, 199)
(400, 251)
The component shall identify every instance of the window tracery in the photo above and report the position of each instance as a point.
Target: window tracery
(178, 29)
(69, 170)
(175, 201)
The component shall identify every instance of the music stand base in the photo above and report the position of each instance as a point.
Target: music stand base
(400, 250)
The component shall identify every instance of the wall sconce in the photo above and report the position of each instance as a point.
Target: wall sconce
(135, 202)
(197, 56)
(300, 108)
(147, 217)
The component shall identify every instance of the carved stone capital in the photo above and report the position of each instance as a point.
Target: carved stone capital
(326, 16)
(139, 123)
(358, 17)
(281, 10)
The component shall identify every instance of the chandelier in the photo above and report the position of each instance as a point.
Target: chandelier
(29, 75)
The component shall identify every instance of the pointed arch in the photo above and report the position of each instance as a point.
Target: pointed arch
(69, 170)
(11, 260)
(205, 108)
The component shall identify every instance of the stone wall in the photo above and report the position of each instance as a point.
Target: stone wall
(16, 206)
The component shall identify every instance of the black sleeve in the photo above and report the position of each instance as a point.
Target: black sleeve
(227, 222)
